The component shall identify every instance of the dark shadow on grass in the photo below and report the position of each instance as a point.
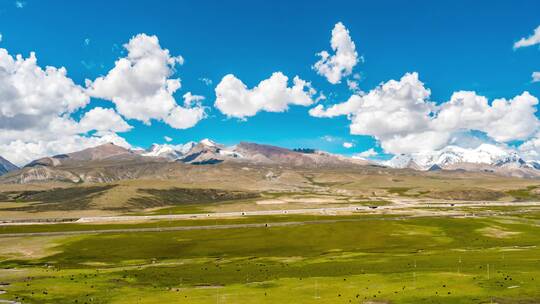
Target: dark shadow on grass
(184, 196)
(58, 199)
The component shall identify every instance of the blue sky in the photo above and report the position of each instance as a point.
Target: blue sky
(453, 45)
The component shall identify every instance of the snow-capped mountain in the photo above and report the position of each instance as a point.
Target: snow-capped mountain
(208, 142)
(165, 151)
(453, 157)
(6, 166)
(171, 152)
(186, 147)
(401, 161)
(209, 152)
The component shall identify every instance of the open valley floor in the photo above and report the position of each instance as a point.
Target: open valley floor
(326, 243)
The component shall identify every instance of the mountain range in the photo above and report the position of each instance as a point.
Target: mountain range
(109, 162)
(486, 157)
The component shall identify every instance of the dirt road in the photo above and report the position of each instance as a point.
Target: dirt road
(186, 228)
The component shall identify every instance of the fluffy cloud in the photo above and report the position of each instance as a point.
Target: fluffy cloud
(348, 145)
(190, 99)
(415, 142)
(345, 108)
(141, 87)
(36, 107)
(21, 152)
(27, 89)
(234, 99)
(368, 153)
(529, 41)
(103, 120)
(530, 149)
(503, 120)
(396, 108)
(353, 85)
(167, 138)
(185, 118)
(342, 62)
(401, 117)
(535, 77)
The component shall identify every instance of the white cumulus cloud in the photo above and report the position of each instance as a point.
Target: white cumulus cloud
(530, 149)
(235, 99)
(345, 108)
(185, 118)
(400, 115)
(103, 120)
(368, 153)
(348, 145)
(27, 89)
(529, 41)
(341, 63)
(190, 99)
(535, 77)
(141, 85)
(21, 152)
(167, 138)
(503, 120)
(36, 108)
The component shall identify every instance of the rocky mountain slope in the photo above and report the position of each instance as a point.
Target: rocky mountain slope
(107, 151)
(257, 153)
(108, 162)
(103, 163)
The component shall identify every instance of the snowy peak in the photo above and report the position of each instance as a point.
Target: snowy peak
(171, 152)
(209, 143)
(186, 147)
(209, 152)
(164, 151)
(402, 161)
(453, 156)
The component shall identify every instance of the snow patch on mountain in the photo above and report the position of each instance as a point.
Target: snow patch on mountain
(208, 142)
(485, 154)
(168, 151)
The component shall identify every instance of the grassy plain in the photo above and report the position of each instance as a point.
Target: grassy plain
(372, 260)
(415, 241)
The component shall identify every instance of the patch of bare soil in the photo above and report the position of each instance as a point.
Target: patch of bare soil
(497, 232)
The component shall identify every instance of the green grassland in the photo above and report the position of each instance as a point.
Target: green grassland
(355, 259)
(361, 257)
